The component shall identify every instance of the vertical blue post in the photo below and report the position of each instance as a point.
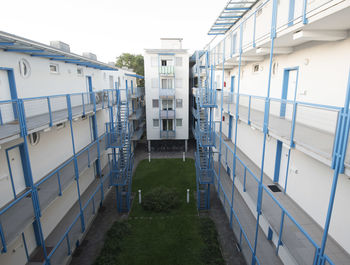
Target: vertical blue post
(50, 112)
(265, 128)
(76, 168)
(237, 99)
(29, 179)
(221, 110)
(305, 20)
(339, 164)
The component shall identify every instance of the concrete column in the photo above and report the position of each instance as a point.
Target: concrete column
(149, 146)
(186, 146)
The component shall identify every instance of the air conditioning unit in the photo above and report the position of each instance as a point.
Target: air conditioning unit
(90, 55)
(60, 45)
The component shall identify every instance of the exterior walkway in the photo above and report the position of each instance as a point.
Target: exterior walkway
(293, 239)
(42, 121)
(48, 190)
(310, 140)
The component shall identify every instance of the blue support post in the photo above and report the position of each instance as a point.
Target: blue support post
(265, 128)
(59, 184)
(29, 179)
(76, 169)
(237, 98)
(50, 112)
(339, 164)
(221, 110)
(305, 20)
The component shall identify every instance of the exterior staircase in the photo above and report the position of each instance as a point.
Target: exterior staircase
(121, 159)
(205, 99)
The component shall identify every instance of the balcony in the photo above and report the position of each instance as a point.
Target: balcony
(34, 114)
(298, 233)
(310, 127)
(136, 114)
(138, 132)
(136, 92)
(167, 114)
(166, 70)
(167, 134)
(19, 213)
(167, 92)
(61, 242)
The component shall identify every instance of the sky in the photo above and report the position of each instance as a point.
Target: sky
(109, 28)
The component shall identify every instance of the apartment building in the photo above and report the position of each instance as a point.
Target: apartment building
(167, 92)
(59, 123)
(271, 119)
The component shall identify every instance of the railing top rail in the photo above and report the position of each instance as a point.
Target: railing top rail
(9, 205)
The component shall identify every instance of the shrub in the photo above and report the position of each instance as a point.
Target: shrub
(160, 199)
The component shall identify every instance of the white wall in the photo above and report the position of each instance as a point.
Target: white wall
(322, 80)
(152, 92)
(55, 145)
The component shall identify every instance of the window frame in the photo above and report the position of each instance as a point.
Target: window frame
(153, 103)
(155, 123)
(178, 106)
(57, 71)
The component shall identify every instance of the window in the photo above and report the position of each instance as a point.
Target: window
(179, 103)
(256, 68)
(155, 123)
(178, 122)
(118, 82)
(167, 125)
(111, 82)
(54, 68)
(163, 63)
(178, 83)
(34, 138)
(167, 83)
(155, 103)
(80, 71)
(234, 41)
(24, 68)
(178, 61)
(154, 82)
(274, 68)
(167, 104)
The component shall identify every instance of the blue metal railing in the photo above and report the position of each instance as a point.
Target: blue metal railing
(55, 174)
(71, 239)
(275, 200)
(50, 110)
(259, 30)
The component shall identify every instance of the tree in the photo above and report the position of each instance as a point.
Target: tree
(134, 62)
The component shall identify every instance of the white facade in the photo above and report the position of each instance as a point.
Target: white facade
(54, 149)
(316, 57)
(166, 91)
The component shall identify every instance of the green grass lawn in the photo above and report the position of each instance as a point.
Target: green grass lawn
(179, 236)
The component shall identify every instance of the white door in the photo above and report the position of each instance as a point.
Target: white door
(16, 167)
(283, 166)
(292, 86)
(5, 109)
